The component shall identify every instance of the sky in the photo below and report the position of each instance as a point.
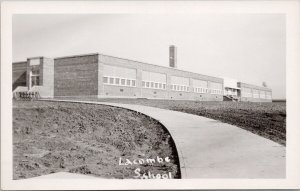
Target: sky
(246, 47)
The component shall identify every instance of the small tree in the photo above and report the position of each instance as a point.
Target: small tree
(264, 84)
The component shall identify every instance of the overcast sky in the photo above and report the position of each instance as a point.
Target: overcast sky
(246, 47)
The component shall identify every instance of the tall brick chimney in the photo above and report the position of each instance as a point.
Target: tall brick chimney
(173, 56)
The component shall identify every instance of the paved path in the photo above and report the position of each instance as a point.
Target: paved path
(211, 149)
(65, 175)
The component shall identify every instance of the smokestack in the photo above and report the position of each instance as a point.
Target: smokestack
(173, 56)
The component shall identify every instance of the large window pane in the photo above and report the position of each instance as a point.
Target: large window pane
(123, 82)
(128, 83)
(111, 80)
(35, 81)
(117, 81)
(133, 82)
(105, 80)
(35, 70)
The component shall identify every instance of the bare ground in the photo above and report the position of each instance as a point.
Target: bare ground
(264, 119)
(88, 139)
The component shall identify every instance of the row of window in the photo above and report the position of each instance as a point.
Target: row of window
(153, 85)
(216, 91)
(119, 81)
(157, 85)
(176, 87)
(247, 94)
(256, 95)
(200, 90)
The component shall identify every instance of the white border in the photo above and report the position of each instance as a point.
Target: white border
(288, 7)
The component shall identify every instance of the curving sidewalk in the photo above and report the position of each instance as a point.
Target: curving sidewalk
(211, 149)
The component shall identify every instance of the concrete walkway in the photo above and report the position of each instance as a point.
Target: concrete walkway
(65, 175)
(211, 149)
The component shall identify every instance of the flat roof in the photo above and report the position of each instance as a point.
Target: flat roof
(77, 55)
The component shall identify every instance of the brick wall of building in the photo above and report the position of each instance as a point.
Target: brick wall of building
(19, 74)
(76, 76)
(120, 91)
(82, 75)
(139, 91)
(254, 87)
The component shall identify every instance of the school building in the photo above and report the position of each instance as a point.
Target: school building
(99, 75)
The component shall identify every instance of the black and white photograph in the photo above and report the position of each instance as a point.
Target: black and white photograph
(170, 90)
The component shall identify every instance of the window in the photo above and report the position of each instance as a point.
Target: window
(105, 80)
(153, 85)
(123, 82)
(180, 83)
(35, 81)
(35, 70)
(111, 80)
(117, 81)
(128, 82)
(200, 85)
(133, 83)
(35, 75)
